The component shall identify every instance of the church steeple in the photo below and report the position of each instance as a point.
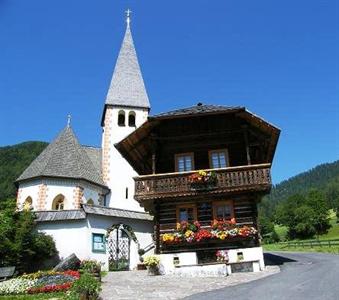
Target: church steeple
(127, 86)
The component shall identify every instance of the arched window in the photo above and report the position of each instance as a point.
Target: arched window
(121, 118)
(131, 119)
(28, 203)
(90, 202)
(58, 202)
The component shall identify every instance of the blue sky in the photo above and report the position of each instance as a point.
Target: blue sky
(280, 59)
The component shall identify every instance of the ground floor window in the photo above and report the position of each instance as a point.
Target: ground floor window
(98, 242)
(186, 213)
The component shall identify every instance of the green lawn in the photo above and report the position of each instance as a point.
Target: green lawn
(55, 296)
(333, 233)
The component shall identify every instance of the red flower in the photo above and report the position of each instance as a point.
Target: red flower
(203, 234)
(50, 288)
(72, 273)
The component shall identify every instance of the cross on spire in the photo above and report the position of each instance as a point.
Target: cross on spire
(69, 118)
(128, 16)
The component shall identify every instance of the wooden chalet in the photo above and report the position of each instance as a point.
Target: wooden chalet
(232, 146)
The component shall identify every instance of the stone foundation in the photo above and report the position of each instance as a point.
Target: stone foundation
(185, 264)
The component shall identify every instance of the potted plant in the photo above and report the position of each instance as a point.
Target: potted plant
(152, 263)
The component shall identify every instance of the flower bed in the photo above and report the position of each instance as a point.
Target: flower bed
(39, 282)
(219, 230)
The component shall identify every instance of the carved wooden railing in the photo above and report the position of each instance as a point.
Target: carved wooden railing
(251, 177)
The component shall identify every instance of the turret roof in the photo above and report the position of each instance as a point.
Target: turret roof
(66, 158)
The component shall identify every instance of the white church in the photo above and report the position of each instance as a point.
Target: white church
(78, 192)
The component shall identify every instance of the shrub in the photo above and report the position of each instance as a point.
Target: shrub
(86, 286)
(21, 245)
(90, 266)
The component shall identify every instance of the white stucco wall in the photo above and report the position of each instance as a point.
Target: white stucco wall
(121, 173)
(29, 189)
(69, 236)
(76, 236)
(55, 187)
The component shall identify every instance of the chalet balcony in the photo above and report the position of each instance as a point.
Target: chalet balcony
(232, 179)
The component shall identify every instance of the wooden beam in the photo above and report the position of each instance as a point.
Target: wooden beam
(246, 145)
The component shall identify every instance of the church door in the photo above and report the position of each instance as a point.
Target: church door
(119, 250)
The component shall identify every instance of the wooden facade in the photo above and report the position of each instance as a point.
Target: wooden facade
(233, 147)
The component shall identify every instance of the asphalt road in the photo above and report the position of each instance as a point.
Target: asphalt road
(311, 276)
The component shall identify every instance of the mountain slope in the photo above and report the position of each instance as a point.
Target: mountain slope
(317, 177)
(13, 161)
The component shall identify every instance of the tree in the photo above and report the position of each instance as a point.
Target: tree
(317, 202)
(21, 244)
(332, 196)
(304, 216)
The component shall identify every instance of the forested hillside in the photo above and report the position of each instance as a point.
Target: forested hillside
(322, 177)
(13, 161)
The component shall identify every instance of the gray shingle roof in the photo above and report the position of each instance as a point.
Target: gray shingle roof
(80, 214)
(127, 86)
(60, 215)
(198, 109)
(115, 212)
(95, 155)
(65, 158)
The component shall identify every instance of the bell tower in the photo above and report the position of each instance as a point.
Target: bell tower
(126, 108)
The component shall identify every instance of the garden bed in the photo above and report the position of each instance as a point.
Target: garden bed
(39, 282)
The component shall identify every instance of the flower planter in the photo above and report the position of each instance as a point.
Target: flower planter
(153, 270)
(203, 186)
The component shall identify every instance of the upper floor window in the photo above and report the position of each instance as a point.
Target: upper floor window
(121, 118)
(90, 202)
(219, 159)
(184, 162)
(28, 203)
(223, 210)
(58, 202)
(186, 213)
(131, 119)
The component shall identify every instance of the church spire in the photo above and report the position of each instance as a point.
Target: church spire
(127, 86)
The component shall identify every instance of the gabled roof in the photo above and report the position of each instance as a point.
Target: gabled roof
(127, 87)
(65, 158)
(198, 109)
(136, 148)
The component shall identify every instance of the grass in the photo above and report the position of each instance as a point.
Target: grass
(280, 247)
(333, 233)
(35, 296)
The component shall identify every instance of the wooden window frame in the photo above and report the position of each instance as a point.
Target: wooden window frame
(223, 202)
(176, 156)
(195, 211)
(103, 241)
(225, 150)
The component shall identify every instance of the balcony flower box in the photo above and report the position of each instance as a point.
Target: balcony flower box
(203, 181)
(192, 233)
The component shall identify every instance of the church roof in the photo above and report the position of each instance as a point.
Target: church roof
(80, 214)
(116, 212)
(66, 158)
(127, 87)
